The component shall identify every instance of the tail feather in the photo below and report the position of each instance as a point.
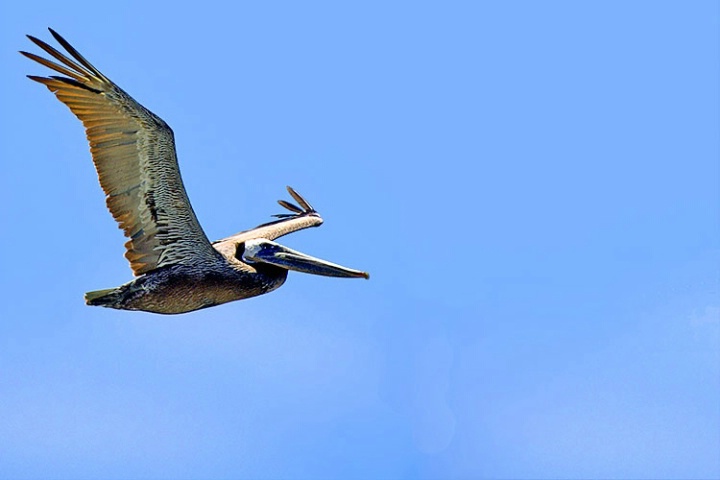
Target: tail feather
(106, 297)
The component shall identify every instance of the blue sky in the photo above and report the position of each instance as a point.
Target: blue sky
(533, 186)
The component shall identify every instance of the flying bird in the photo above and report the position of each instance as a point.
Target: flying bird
(176, 268)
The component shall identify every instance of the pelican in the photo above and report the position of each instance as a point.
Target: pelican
(176, 268)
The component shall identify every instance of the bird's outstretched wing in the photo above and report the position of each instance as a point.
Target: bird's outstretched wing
(134, 154)
(303, 216)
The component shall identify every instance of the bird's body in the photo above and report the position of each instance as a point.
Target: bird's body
(177, 269)
(180, 288)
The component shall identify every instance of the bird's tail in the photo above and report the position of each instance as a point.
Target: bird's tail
(103, 298)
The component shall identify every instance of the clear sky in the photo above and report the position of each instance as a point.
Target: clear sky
(533, 186)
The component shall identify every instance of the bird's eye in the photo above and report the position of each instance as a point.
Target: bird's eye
(239, 250)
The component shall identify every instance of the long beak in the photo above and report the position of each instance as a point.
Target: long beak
(266, 251)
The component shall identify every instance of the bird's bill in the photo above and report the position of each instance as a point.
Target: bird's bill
(267, 251)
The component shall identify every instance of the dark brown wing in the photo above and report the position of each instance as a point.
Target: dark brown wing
(134, 154)
(303, 216)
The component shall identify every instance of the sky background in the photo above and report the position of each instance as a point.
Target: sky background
(533, 186)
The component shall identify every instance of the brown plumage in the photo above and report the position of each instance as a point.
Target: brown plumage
(177, 268)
